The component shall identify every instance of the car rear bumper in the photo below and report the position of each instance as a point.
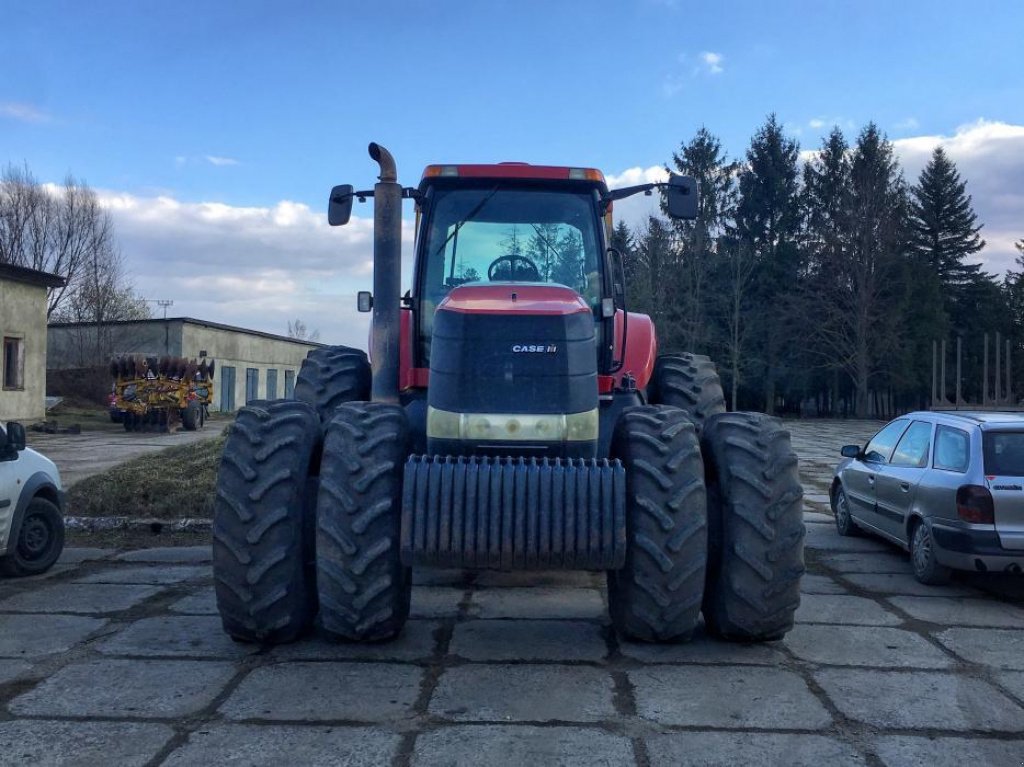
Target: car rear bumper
(977, 550)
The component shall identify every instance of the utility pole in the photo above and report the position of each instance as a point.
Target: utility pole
(164, 302)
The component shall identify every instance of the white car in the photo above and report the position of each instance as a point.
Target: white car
(31, 504)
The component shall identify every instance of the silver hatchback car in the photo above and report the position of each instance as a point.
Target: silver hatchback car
(947, 486)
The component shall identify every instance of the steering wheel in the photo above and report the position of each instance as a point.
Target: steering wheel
(532, 273)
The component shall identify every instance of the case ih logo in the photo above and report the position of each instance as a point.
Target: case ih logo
(534, 348)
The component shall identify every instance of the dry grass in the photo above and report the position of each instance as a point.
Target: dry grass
(169, 484)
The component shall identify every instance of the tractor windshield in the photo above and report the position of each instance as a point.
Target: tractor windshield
(515, 234)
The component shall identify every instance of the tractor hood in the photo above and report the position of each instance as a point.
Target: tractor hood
(538, 298)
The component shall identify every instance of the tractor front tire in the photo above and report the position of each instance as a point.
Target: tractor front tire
(656, 596)
(363, 587)
(756, 528)
(190, 416)
(262, 542)
(332, 376)
(689, 382)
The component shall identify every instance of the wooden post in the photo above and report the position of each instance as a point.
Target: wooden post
(1009, 392)
(943, 373)
(935, 362)
(998, 382)
(984, 375)
(959, 360)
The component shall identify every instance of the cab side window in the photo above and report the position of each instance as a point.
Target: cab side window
(952, 449)
(912, 449)
(880, 447)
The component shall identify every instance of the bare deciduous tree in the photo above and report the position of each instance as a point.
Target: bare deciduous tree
(51, 229)
(300, 332)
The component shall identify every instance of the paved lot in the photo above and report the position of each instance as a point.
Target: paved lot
(119, 659)
(81, 455)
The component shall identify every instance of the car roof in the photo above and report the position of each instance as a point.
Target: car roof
(982, 418)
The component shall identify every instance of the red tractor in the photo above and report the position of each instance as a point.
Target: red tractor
(512, 415)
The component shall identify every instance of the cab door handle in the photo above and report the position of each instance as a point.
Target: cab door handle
(905, 487)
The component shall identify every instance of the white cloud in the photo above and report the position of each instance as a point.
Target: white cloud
(816, 123)
(257, 267)
(221, 161)
(712, 62)
(23, 112)
(908, 123)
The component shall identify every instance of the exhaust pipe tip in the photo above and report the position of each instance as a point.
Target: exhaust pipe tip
(380, 155)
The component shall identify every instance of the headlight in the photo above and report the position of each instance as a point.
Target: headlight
(513, 427)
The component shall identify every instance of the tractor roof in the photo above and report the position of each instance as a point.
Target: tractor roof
(514, 170)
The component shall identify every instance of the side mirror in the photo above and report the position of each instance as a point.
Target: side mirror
(14, 441)
(364, 300)
(681, 197)
(339, 209)
(850, 451)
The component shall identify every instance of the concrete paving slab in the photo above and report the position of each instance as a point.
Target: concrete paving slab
(911, 751)
(728, 697)
(169, 555)
(996, 648)
(826, 538)
(820, 584)
(155, 575)
(504, 640)
(961, 612)
(1014, 682)
(81, 744)
(84, 598)
(911, 700)
(199, 636)
(523, 693)
(74, 555)
(358, 692)
(865, 563)
(416, 642)
(703, 649)
(540, 602)
(11, 670)
(202, 602)
(905, 584)
(33, 636)
(844, 610)
(435, 601)
(433, 576)
(877, 647)
(135, 689)
(699, 749)
(242, 745)
(523, 745)
(536, 578)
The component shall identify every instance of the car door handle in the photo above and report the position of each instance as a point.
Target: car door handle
(905, 487)
(871, 479)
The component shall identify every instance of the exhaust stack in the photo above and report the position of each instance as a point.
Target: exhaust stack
(387, 277)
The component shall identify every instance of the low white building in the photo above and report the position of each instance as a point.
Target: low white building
(250, 364)
(23, 334)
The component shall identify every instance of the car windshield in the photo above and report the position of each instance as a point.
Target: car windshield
(1004, 453)
(492, 234)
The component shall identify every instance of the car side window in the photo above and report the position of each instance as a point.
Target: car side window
(880, 447)
(952, 449)
(912, 449)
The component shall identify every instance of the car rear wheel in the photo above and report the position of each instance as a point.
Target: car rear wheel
(845, 525)
(927, 568)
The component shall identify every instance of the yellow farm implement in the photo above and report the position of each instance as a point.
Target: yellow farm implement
(162, 393)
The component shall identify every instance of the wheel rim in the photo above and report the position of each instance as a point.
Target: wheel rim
(842, 511)
(922, 549)
(35, 537)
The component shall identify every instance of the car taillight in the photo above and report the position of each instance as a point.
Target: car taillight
(974, 504)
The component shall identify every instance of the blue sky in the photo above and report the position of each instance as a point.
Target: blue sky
(242, 115)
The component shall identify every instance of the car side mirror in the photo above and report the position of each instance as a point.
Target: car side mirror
(339, 209)
(850, 451)
(681, 197)
(364, 300)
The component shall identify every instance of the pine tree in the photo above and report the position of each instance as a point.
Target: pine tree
(694, 260)
(945, 232)
(768, 223)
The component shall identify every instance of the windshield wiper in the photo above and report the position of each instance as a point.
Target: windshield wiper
(469, 217)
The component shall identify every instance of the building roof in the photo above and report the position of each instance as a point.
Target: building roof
(191, 321)
(30, 276)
